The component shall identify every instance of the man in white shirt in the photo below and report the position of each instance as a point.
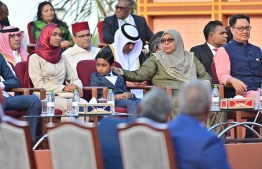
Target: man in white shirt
(83, 49)
(11, 46)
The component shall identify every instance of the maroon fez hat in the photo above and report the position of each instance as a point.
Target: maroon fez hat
(79, 26)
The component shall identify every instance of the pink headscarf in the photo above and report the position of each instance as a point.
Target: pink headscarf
(5, 47)
(44, 49)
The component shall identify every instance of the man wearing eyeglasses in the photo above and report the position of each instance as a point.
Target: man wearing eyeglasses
(239, 63)
(83, 49)
(11, 46)
(123, 15)
(12, 51)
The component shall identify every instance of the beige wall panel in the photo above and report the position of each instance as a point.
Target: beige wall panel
(190, 27)
(256, 32)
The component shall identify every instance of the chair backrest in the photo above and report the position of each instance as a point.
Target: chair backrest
(84, 70)
(31, 38)
(20, 69)
(74, 145)
(146, 144)
(100, 26)
(214, 73)
(15, 144)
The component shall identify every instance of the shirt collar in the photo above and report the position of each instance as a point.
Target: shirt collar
(238, 43)
(127, 19)
(210, 46)
(15, 53)
(82, 49)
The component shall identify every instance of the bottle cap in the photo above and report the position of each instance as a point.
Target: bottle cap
(51, 91)
(110, 90)
(75, 90)
(215, 86)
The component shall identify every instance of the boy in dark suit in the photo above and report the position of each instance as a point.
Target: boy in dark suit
(107, 78)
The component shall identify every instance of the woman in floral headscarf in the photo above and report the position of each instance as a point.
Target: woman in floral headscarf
(49, 69)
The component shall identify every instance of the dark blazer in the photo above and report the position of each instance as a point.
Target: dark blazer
(204, 55)
(98, 80)
(195, 147)
(5, 22)
(108, 137)
(111, 26)
(11, 81)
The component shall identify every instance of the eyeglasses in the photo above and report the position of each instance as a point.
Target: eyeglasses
(13, 35)
(167, 40)
(83, 36)
(241, 29)
(121, 8)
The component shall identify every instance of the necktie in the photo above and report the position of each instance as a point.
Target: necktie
(215, 49)
(124, 20)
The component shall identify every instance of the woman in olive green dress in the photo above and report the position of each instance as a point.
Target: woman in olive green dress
(172, 66)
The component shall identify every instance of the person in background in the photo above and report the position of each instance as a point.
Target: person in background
(229, 34)
(4, 15)
(107, 131)
(106, 78)
(123, 15)
(238, 63)
(29, 103)
(194, 146)
(215, 35)
(127, 49)
(83, 49)
(154, 44)
(11, 45)
(172, 66)
(45, 15)
(50, 70)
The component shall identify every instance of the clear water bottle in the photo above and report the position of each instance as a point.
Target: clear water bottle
(215, 99)
(51, 103)
(111, 98)
(260, 105)
(75, 102)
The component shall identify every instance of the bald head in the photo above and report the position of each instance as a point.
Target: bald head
(194, 98)
(156, 105)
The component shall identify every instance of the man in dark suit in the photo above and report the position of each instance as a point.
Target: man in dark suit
(122, 15)
(215, 35)
(195, 147)
(148, 108)
(3, 15)
(29, 103)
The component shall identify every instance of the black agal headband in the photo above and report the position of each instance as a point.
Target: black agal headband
(9, 30)
(126, 34)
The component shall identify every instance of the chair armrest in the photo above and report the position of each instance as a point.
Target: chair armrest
(94, 90)
(27, 91)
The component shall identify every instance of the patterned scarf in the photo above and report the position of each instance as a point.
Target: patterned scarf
(5, 47)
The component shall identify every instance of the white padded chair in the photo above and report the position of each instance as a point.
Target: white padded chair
(74, 145)
(146, 144)
(15, 144)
